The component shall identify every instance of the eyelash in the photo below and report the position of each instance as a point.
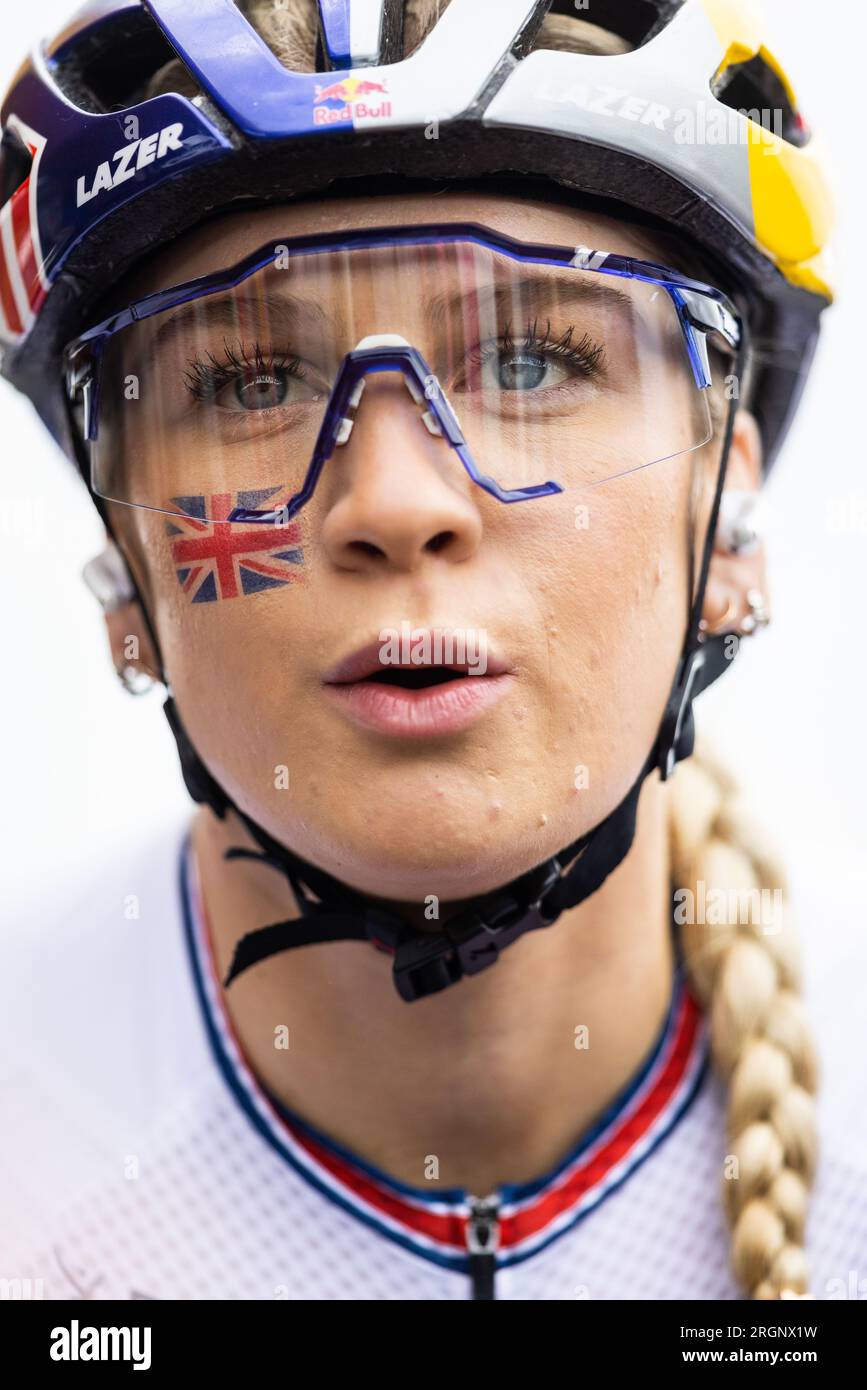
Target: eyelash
(586, 354)
(205, 379)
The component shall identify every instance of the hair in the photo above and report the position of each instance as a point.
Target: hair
(744, 975)
(290, 29)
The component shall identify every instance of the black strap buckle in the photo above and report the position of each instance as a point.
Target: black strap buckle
(678, 729)
(471, 942)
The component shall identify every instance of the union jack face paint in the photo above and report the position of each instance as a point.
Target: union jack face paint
(214, 561)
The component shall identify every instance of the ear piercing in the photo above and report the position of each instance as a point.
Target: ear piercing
(739, 532)
(758, 616)
(739, 526)
(133, 679)
(108, 579)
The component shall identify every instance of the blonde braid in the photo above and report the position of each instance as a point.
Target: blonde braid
(745, 974)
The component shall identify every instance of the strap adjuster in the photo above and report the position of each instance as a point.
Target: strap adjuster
(470, 942)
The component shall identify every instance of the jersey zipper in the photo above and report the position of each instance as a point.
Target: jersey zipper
(483, 1240)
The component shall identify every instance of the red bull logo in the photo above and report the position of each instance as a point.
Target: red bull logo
(341, 101)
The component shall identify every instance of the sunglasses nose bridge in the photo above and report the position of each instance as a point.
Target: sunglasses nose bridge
(381, 353)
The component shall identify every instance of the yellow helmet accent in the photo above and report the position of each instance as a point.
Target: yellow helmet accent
(791, 198)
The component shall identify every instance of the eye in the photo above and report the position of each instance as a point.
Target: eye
(521, 370)
(539, 362)
(259, 391)
(250, 380)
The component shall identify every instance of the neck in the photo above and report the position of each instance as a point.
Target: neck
(490, 1076)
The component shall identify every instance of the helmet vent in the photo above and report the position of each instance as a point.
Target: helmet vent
(110, 69)
(15, 164)
(757, 91)
(571, 26)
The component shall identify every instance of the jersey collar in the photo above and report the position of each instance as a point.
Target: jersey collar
(433, 1222)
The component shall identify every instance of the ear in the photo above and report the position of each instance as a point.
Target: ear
(731, 576)
(130, 641)
(132, 649)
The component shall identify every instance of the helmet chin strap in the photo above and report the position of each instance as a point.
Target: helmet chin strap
(472, 938)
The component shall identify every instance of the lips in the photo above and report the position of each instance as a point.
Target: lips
(414, 699)
(368, 661)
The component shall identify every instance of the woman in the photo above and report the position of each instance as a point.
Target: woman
(427, 423)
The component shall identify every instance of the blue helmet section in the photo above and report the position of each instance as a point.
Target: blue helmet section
(240, 73)
(91, 164)
(336, 32)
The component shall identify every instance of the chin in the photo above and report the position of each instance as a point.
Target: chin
(410, 848)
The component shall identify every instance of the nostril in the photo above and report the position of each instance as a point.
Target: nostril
(375, 552)
(439, 541)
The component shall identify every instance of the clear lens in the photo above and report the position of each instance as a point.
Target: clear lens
(555, 374)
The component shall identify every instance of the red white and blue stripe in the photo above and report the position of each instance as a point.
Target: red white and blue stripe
(433, 1224)
(23, 283)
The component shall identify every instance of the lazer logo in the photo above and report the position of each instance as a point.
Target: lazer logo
(125, 162)
(607, 101)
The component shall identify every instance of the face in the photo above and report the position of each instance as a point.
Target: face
(571, 609)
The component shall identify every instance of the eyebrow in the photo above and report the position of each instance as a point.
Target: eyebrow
(586, 290)
(284, 312)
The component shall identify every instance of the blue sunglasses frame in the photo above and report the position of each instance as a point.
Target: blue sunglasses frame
(701, 309)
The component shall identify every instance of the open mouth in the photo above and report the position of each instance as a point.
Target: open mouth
(417, 677)
(414, 700)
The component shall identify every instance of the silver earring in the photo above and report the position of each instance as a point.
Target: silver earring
(759, 615)
(134, 680)
(108, 579)
(739, 527)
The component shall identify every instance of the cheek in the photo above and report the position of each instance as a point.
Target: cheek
(233, 606)
(611, 581)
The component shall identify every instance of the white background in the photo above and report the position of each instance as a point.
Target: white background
(85, 767)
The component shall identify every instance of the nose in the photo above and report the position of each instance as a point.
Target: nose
(396, 495)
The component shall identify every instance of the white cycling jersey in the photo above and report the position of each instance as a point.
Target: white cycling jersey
(141, 1158)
